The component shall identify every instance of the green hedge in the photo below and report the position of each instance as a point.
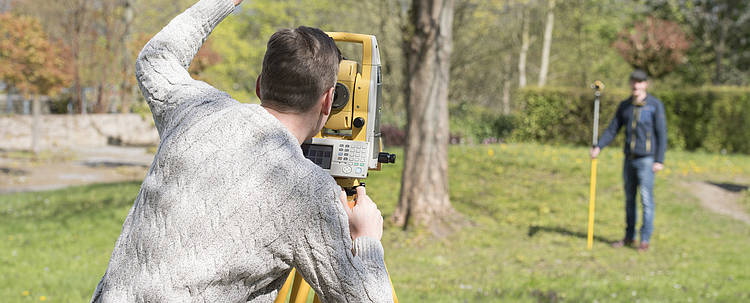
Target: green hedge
(708, 118)
(476, 124)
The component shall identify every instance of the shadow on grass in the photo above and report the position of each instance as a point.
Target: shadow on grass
(533, 230)
(729, 186)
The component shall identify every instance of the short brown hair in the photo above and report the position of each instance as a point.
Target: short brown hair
(298, 67)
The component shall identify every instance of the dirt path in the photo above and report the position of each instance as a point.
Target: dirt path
(720, 198)
(74, 167)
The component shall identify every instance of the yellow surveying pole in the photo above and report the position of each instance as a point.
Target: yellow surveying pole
(598, 86)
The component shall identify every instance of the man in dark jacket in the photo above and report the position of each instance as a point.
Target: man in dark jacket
(645, 142)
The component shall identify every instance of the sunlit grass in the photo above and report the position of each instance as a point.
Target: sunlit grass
(525, 241)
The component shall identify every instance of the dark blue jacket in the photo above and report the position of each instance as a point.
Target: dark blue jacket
(645, 128)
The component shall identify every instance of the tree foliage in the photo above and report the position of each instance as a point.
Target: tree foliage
(720, 28)
(29, 60)
(486, 66)
(654, 45)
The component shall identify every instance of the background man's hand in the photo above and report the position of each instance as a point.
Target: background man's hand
(657, 166)
(595, 152)
(365, 218)
(237, 2)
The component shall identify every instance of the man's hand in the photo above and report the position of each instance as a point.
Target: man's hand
(657, 166)
(237, 2)
(595, 152)
(365, 218)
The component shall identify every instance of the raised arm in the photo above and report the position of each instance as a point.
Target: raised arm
(337, 268)
(161, 67)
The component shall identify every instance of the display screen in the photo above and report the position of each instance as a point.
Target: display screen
(319, 154)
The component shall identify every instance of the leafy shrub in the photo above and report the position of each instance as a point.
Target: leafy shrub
(475, 124)
(393, 135)
(709, 118)
(396, 136)
(562, 115)
(469, 124)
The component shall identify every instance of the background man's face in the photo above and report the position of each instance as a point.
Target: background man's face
(638, 87)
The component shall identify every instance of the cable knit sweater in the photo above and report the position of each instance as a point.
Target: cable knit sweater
(229, 204)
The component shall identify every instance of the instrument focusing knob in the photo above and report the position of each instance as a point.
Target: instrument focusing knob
(358, 122)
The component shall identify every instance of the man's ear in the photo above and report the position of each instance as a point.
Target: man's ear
(257, 87)
(327, 102)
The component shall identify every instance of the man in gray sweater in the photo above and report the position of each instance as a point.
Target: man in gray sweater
(230, 205)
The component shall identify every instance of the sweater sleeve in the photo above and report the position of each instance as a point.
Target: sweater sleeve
(660, 132)
(337, 268)
(614, 126)
(161, 67)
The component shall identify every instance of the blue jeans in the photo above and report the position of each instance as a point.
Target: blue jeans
(638, 173)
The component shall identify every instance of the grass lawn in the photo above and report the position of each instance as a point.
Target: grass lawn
(525, 241)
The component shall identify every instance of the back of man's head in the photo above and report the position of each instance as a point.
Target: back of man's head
(299, 66)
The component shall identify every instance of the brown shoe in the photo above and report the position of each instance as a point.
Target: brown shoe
(623, 242)
(643, 247)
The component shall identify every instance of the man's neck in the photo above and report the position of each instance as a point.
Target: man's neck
(297, 124)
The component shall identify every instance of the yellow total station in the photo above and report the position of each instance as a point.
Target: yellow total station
(350, 145)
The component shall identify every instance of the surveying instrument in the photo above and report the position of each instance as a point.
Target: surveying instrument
(598, 87)
(350, 144)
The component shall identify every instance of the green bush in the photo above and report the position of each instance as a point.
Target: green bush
(477, 124)
(709, 118)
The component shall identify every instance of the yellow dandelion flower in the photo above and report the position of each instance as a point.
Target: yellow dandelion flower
(544, 209)
(43, 298)
(490, 152)
(25, 293)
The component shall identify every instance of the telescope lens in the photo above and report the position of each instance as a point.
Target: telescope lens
(340, 96)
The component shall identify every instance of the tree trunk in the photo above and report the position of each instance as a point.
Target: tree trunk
(102, 97)
(547, 42)
(35, 117)
(78, 19)
(525, 43)
(104, 89)
(720, 50)
(125, 87)
(9, 98)
(424, 199)
(506, 84)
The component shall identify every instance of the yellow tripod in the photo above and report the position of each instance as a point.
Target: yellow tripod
(598, 86)
(300, 290)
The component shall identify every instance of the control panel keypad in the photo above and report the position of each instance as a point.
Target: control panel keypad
(352, 158)
(349, 159)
